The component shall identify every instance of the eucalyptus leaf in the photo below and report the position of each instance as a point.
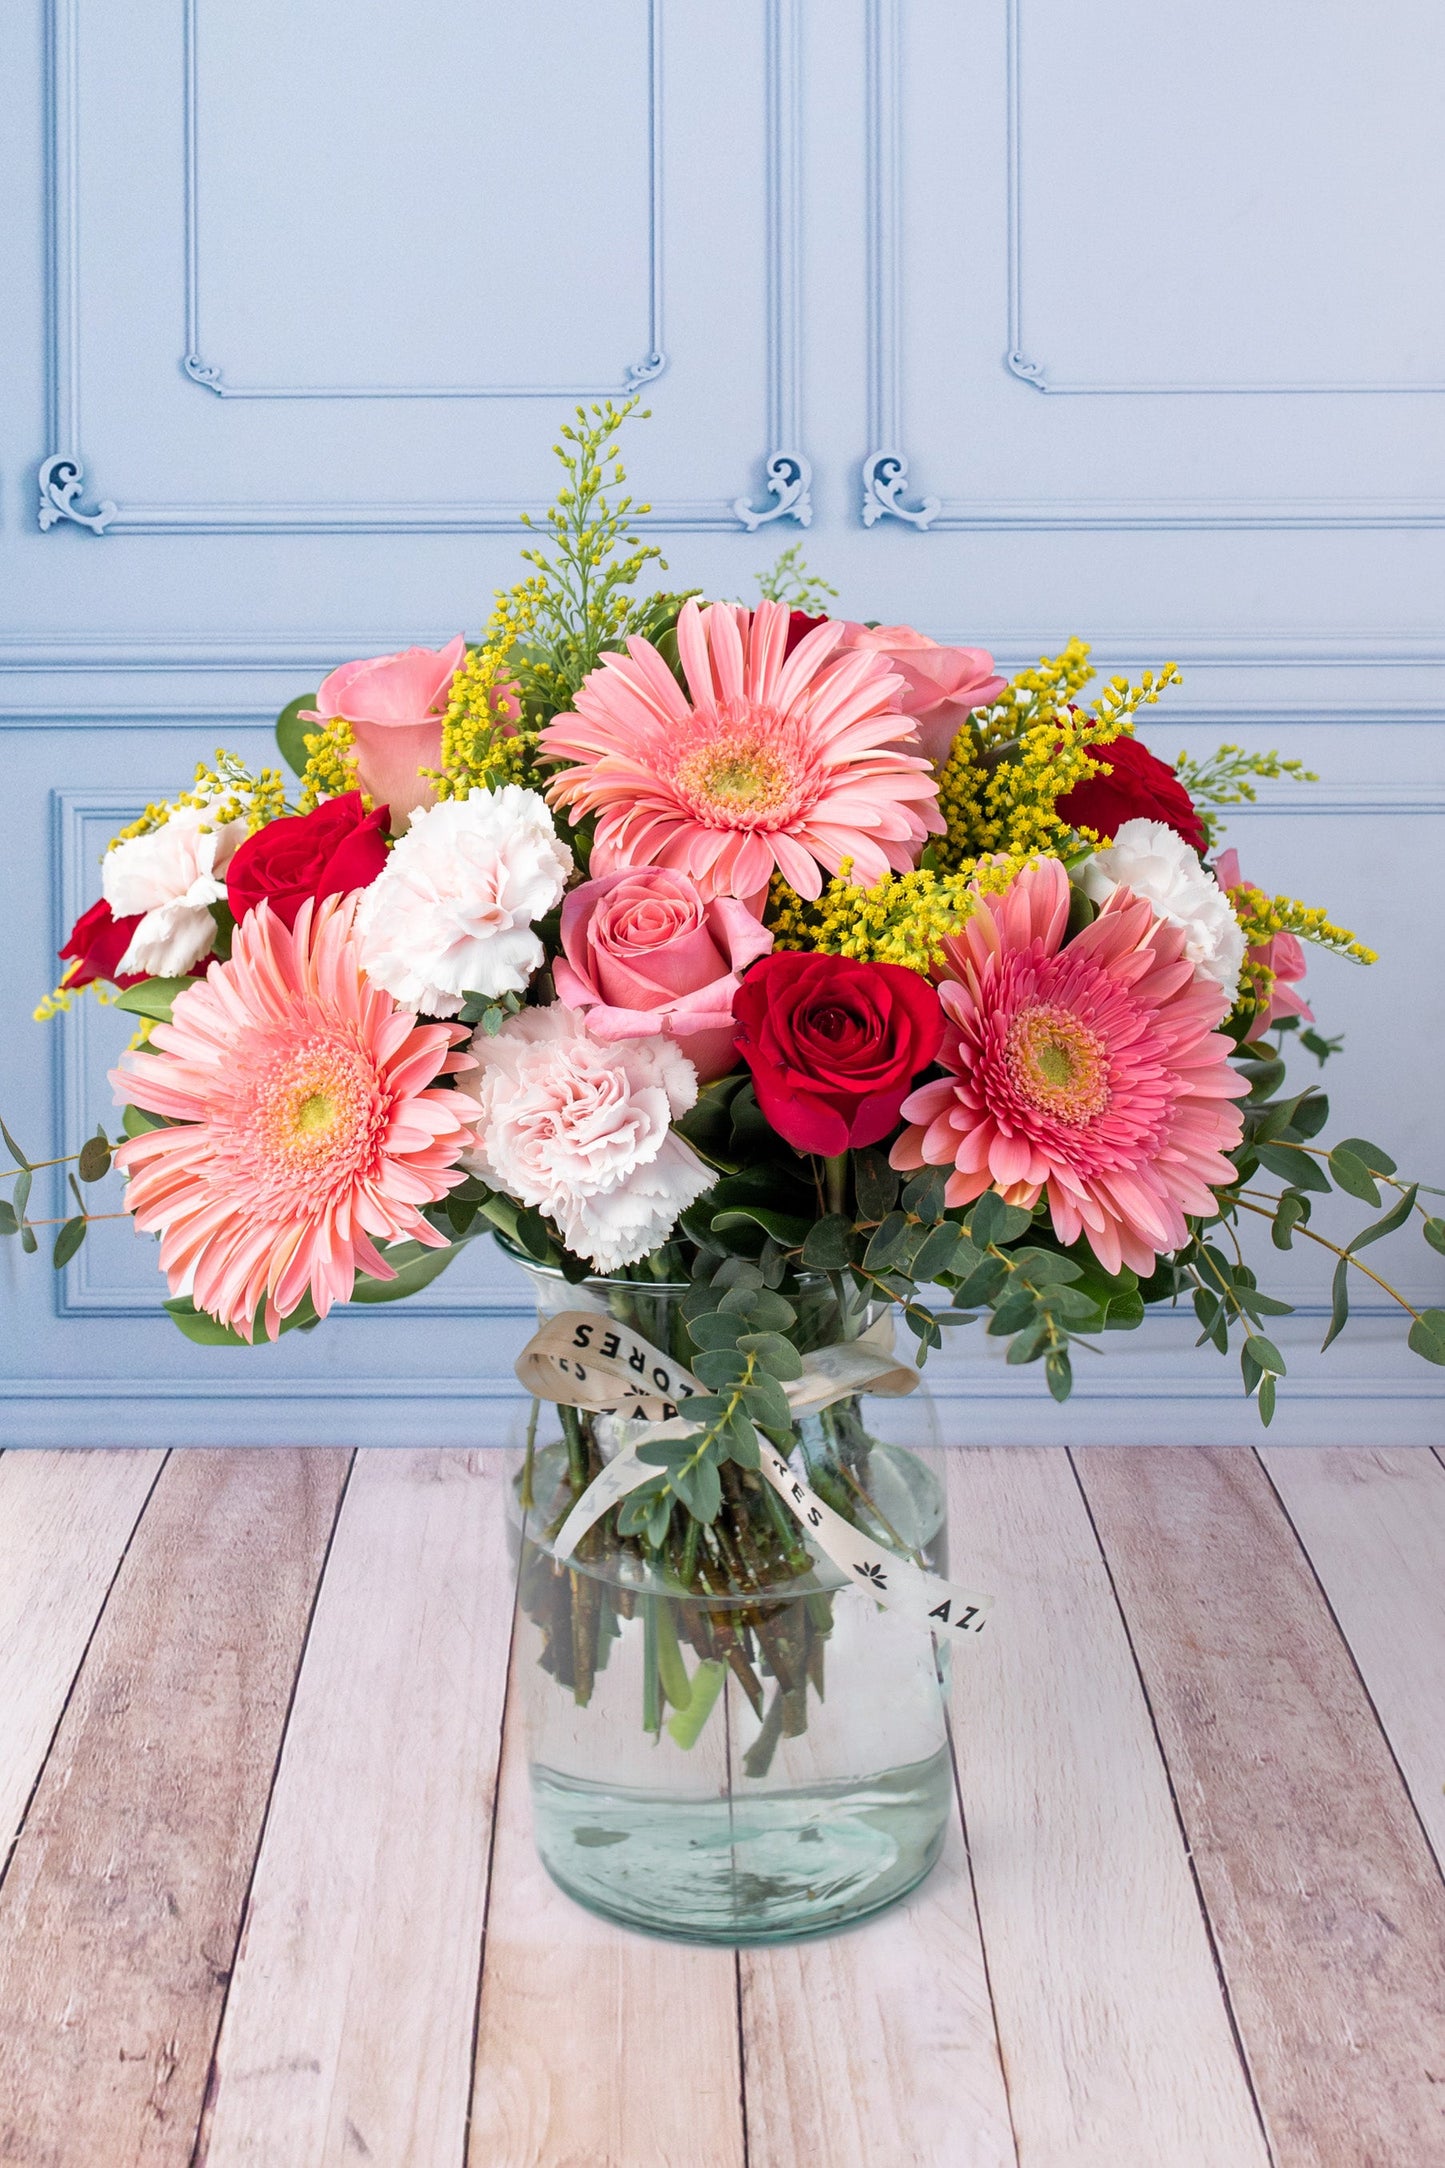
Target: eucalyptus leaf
(1339, 1302)
(1264, 1400)
(13, 1149)
(1435, 1234)
(875, 1184)
(1265, 1353)
(923, 1195)
(1377, 1161)
(1396, 1217)
(827, 1247)
(94, 1162)
(68, 1241)
(1427, 1335)
(886, 1242)
(1294, 1166)
(720, 1366)
(1059, 1372)
(788, 1228)
(1353, 1176)
(9, 1224)
(20, 1195)
(778, 1356)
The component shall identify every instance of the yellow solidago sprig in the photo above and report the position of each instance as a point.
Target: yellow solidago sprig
(485, 742)
(905, 918)
(1227, 777)
(330, 769)
(1011, 763)
(1261, 917)
(229, 790)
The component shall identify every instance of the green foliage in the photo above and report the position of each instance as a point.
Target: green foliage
(580, 598)
(152, 998)
(1228, 776)
(291, 732)
(789, 580)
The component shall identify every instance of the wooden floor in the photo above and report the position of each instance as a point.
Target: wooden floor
(269, 1898)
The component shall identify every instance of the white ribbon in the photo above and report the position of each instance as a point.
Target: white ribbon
(584, 1359)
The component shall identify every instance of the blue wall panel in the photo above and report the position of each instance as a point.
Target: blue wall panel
(1039, 321)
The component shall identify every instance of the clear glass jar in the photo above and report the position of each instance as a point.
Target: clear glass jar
(729, 1742)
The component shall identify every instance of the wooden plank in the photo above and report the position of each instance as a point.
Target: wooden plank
(348, 2030)
(65, 1520)
(596, 2048)
(1373, 1523)
(118, 1918)
(1116, 2039)
(1327, 1906)
(879, 2045)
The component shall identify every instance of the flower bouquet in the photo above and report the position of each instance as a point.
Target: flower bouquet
(755, 976)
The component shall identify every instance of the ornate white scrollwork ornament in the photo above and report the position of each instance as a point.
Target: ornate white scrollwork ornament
(790, 481)
(885, 478)
(61, 479)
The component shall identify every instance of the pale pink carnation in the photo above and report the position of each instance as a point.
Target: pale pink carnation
(1093, 1073)
(769, 764)
(169, 878)
(309, 1125)
(583, 1132)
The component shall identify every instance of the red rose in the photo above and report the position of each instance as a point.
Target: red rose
(98, 940)
(799, 626)
(1141, 787)
(834, 1045)
(328, 852)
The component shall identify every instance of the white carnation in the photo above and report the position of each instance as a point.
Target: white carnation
(1157, 864)
(583, 1131)
(452, 910)
(171, 877)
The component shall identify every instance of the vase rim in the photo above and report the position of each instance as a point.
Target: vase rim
(519, 1256)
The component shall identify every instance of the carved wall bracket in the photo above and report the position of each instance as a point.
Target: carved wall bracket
(61, 480)
(885, 478)
(790, 479)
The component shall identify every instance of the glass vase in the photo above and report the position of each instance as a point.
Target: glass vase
(729, 1740)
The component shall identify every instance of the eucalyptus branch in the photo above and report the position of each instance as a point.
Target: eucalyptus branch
(1338, 1250)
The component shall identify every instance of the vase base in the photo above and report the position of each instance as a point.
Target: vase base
(772, 1867)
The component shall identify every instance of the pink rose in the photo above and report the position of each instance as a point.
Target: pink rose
(395, 705)
(642, 954)
(1281, 954)
(943, 685)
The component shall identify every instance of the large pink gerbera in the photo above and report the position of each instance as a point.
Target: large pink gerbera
(790, 763)
(309, 1123)
(1093, 1071)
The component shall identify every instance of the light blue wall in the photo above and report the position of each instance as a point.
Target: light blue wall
(1040, 319)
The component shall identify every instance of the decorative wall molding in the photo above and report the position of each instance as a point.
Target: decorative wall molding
(1017, 359)
(787, 474)
(885, 469)
(212, 377)
(885, 472)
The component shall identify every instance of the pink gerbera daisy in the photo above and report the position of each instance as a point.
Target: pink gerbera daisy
(790, 763)
(1093, 1071)
(309, 1125)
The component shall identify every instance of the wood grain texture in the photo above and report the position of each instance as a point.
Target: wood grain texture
(1373, 1523)
(348, 2030)
(65, 1520)
(878, 2046)
(118, 1918)
(1116, 2038)
(596, 2048)
(1327, 1904)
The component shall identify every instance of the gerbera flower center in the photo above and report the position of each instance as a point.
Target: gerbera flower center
(1055, 1061)
(741, 766)
(317, 1112)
